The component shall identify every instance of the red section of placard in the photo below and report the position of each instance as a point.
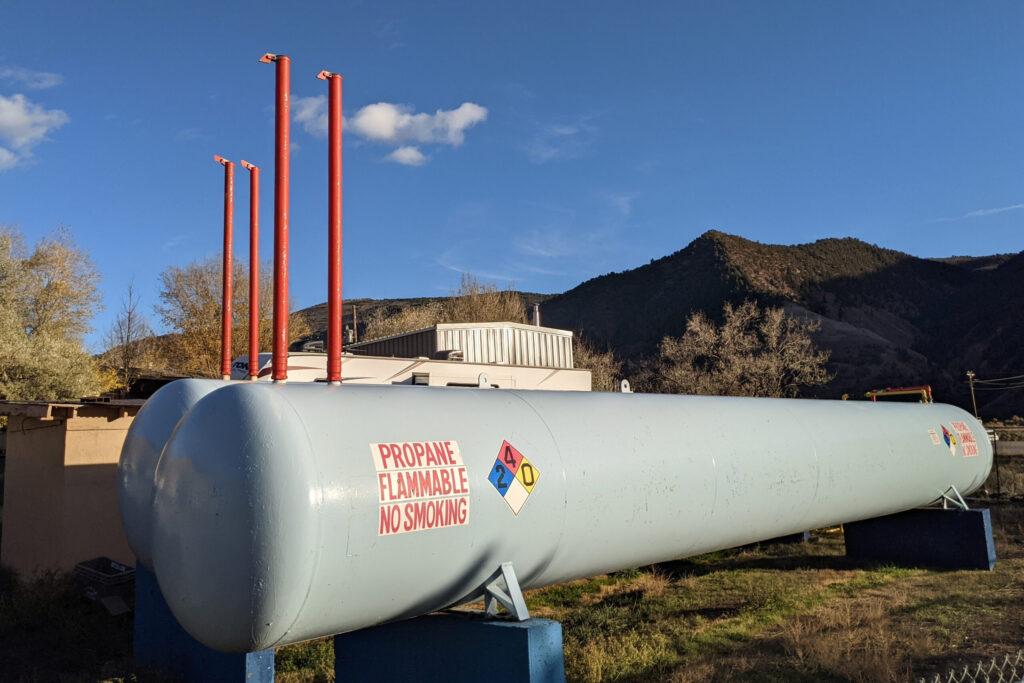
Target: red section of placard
(510, 457)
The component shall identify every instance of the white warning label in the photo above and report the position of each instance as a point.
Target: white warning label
(420, 485)
(967, 441)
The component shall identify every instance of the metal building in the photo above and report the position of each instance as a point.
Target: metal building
(503, 343)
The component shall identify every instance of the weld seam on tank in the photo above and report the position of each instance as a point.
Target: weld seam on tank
(813, 444)
(565, 486)
(319, 528)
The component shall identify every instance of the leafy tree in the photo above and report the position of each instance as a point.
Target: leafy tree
(473, 301)
(190, 303)
(753, 352)
(47, 297)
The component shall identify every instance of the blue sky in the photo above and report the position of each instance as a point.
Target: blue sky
(543, 143)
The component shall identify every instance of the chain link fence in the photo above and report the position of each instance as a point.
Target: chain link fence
(1009, 669)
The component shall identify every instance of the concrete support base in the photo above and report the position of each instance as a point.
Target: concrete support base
(453, 648)
(162, 645)
(929, 537)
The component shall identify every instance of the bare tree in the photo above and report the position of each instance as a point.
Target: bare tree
(473, 301)
(753, 352)
(605, 369)
(382, 322)
(479, 302)
(129, 339)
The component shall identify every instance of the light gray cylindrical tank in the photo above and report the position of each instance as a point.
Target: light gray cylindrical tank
(275, 515)
(140, 452)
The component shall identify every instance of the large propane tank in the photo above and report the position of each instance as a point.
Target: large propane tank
(146, 438)
(287, 512)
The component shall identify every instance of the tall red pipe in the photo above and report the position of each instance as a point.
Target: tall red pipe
(334, 214)
(281, 163)
(254, 269)
(227, 283)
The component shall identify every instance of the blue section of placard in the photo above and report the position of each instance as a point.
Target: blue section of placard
(500, 477)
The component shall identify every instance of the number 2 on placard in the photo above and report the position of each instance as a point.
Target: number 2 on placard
(502, 484)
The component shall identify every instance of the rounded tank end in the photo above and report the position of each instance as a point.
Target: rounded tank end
(235, 528)
(149, 432)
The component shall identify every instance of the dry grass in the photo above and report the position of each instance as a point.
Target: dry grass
(853, 641)
(790, 613)
(1008, 480)
(775, 613)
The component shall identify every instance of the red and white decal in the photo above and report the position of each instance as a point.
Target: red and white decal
(966, 437)
(420, 485)
(934, 436)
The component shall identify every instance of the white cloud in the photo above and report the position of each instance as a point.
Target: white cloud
(395, 124)
(546, 243)
(311, 114)
(8, 159)
(23, 125)
(988, 212)
(408, 156)
(557, 142)
(622, 202)
(979, 213)
(187, 134)
(33, 80)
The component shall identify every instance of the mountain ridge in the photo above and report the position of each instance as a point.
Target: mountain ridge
(888, 317)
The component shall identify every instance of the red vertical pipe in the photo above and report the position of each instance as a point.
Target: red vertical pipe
(281, 163)
(227, 274)
(254, 269)
(334, 223)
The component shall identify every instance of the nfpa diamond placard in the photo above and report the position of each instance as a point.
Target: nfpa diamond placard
(513, 476)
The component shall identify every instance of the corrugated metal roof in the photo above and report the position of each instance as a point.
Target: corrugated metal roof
(503, 343)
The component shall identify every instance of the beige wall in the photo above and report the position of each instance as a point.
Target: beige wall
(308, 367)
(60, 491)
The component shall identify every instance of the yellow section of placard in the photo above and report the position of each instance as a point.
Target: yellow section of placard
(527, 475)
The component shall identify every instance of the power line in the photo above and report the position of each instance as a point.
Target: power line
(999, 380)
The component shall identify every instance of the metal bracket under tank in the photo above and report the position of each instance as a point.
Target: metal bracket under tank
(503, 587)
(956, 499)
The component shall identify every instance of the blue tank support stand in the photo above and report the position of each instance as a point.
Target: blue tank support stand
(160, 644)
(954, 538)
(452, 647)
(459, 647)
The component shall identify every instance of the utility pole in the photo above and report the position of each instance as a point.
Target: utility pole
(974, 401)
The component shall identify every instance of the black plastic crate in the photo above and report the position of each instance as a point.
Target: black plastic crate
(104, 571)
